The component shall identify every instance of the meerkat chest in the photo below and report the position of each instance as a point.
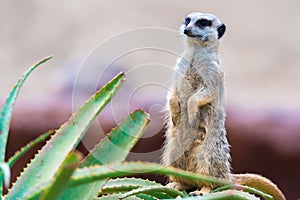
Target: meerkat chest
(190, 78)
(193, 78)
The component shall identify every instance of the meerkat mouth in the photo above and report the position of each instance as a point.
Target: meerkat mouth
(200, 37)
(188, 33)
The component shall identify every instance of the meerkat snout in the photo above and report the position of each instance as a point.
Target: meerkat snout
(186, 31)
(203, 27)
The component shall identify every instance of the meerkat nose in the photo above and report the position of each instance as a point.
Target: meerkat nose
(186, 31)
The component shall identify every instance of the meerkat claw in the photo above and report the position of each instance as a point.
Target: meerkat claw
(203, 191)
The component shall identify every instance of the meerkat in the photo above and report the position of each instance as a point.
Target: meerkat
(196, 137)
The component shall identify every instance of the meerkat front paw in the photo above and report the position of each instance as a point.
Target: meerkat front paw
(177, 186)
(203, 191)
(193, 110)
(175, 109)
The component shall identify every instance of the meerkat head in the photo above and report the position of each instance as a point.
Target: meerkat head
(203, 28)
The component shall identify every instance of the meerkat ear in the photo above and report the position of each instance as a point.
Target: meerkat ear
(221, 30)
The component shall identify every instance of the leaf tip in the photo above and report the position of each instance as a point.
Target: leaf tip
(141, 111)
(46, 59)
(6, 173)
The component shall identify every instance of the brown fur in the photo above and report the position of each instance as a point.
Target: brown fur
(259, 182)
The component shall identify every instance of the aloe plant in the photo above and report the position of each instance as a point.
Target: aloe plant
(58, 171)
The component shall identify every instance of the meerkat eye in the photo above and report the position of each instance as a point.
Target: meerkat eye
(203, 23)
(187, 21)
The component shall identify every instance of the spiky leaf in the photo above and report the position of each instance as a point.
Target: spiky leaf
(7, 110)
(117, 197)
(62, 176)
(245, 189)
(27, 147)
(146, 197)
(47, 161)
(224, 195)
(95, 173)
(114, 148)
(4, 169)
(125, 184)
(99, 174)
(155, 191)
(52, 188)
(132, 127)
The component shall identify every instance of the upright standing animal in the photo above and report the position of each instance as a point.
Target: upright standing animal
(196, 137)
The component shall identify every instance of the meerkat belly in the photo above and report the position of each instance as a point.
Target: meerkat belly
(189, 137)
(187, 87)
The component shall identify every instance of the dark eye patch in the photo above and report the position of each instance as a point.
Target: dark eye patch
(203, 23)
(187, 21)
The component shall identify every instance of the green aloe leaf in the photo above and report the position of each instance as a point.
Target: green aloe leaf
(95, 173)
(7, 111)
(132, 127)
(99, 174)
(224, 195)
(113, 149)
(82, 176)
(120, 185)
(117, 145)
(52, 188)
(62, 176)
(27, 147)
(144, 188)
(6, 171)
(47, 161)
(245, 189)
(146, 197)
(117, 197)
(154, 191)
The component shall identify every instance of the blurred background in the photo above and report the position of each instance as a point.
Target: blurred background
(92, 41)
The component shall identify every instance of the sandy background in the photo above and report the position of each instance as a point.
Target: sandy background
(260, 50)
